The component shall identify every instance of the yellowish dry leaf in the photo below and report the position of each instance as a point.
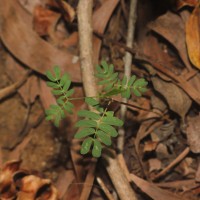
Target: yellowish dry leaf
(193, 37)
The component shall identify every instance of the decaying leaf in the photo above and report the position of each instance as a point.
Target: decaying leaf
(65, 8)
(182, 3)
(171, 27)
(193, 134)
(32, 187)
(177, 99)
(27, 46)
(154, 164)
(44, 19)
(7, 188)
(193, 37)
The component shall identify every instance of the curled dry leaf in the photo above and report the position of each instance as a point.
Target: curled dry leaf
(182, 3)
(7, 188)
(193, 134)
(32, 187)
(65, 8)
(193, 37)
(177, 99)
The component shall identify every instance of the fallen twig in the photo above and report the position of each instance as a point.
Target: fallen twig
(173, 163)
(127, 65)
(105, 189)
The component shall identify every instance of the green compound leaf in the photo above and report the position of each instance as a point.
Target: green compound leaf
(57, 72)
(107, 74)
(104, 137)
(86, 123)
(84, 132)
(86, 145)
(108, 129)
(97, 148)
(114, 121)
(91, 101)
(89, 114)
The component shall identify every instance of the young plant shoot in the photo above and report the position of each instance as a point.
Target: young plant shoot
(97, 127)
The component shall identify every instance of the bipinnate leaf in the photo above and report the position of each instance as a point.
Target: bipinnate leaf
(86, 145)
(97, 148)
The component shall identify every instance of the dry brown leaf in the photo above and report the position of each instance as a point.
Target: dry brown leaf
(65, 179)
(154, 191)
(154, 164)
(177, 99)
(171, 27)
(7, 189)
(193, 134)
(158, 103)
(182, 3)
(150, 146)
(193, 37)
(43, 19)
(27, 46)
(32, 187)
(13, 88)
(29, 90)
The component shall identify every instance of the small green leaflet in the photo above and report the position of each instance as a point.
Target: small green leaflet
(114, 121)
(86, 123)
(108, 129)
(86, 145)
(91, 101)
(84, 132)
(97, 148)
(89, 114)
(105, 138)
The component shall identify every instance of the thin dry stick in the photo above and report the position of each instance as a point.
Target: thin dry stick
(127, 65)
(172, 164)
(87, 70)
(116, 174)
(105, 189)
